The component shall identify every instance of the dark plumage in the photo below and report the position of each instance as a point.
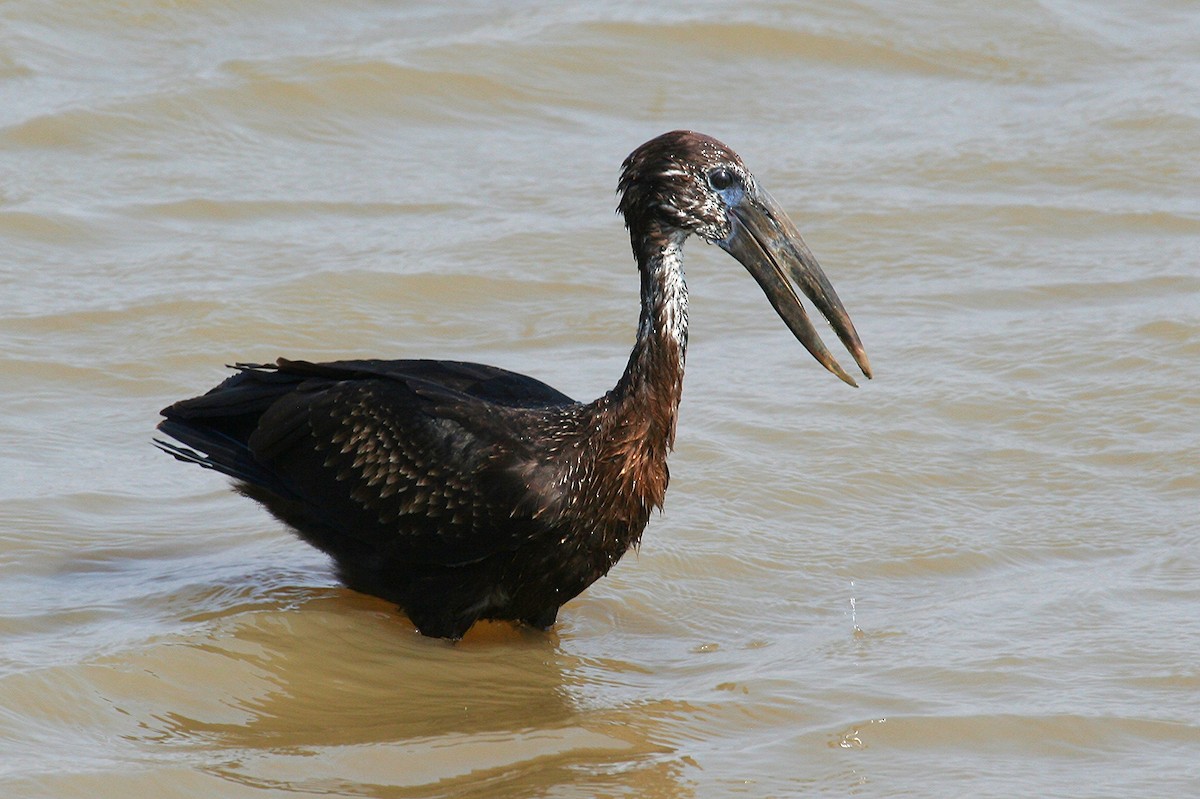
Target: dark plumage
(464, 492)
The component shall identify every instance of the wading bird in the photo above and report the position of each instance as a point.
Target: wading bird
(462, 492)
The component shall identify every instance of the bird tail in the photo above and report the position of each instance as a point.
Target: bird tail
(216, 451)
(214, 428)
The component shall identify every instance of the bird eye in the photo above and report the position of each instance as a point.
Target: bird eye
(720, 178)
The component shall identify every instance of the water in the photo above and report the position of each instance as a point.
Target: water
(976, 575)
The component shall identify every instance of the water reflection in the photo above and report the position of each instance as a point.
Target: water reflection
(339, 694)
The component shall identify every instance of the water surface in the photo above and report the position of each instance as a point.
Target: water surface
(976, 575)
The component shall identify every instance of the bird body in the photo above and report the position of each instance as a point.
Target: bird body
(461, 491)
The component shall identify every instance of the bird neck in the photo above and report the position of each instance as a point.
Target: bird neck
(652, 385)
(628, 432)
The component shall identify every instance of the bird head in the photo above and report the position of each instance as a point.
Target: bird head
(685, 183)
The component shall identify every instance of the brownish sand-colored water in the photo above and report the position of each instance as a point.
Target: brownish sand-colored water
(977, 575)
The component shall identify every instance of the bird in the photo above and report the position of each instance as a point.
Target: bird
(462, 492)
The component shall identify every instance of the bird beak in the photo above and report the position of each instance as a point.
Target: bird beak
(766, 242)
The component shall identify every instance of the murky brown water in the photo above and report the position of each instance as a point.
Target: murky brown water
(978, 575)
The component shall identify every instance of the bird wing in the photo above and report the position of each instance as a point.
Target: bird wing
(477, 380)
(421, 461)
